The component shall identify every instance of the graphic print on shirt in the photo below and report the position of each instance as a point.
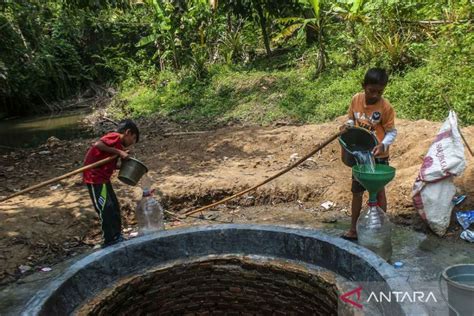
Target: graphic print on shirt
(368, 122)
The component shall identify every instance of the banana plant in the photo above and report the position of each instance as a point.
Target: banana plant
(352, 12)
(317, 22)
(162, 30)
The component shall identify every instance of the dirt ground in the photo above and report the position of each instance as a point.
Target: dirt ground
(51, 224)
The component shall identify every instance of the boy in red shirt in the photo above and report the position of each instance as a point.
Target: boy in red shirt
(98, 179)
(371, 111)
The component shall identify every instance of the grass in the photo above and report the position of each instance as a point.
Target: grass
(262, 95)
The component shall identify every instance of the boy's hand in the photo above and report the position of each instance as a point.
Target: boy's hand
(123, 154)
(378, 149)
(346, 125)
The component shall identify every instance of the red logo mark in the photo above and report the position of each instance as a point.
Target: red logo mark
(345, 297)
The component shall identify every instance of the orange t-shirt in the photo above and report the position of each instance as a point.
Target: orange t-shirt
(377, 118)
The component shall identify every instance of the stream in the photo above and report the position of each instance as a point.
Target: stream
(35, 130)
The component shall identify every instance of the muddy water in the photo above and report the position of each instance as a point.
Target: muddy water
(33, 131)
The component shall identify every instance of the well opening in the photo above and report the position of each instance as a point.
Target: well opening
(220, 269)
(223, 286)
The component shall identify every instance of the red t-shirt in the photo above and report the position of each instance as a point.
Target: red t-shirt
(103, 173)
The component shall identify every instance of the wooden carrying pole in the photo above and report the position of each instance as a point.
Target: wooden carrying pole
(465, 143)
(321, 146)
(64, 176)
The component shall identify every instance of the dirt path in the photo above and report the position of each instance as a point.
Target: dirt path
(51, 224)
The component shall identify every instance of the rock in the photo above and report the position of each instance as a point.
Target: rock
(329, 220)
(24, 268)
(327, 205)
(44, 152)
(53, 142)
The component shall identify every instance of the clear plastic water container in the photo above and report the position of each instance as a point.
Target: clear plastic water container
(374, 231)
(149, 214)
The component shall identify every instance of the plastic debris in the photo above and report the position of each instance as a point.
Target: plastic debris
(46, 269)
(55, 187)
(465, 219)
(44, 152)
(459, 199)
(133, 234)
(294, 157)
(468, 235)
(328, 204)
(24, 268)
(175, 223)
(398, 264)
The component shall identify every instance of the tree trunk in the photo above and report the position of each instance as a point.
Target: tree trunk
(229, 22)
(174, 50)
(311, 34)
(353, 49)
(263, 25)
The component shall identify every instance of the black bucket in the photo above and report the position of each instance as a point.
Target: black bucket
(131, 171)
(355, 139)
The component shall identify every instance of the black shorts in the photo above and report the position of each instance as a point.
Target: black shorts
(356, 186)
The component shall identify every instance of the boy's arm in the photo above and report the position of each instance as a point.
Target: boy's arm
(389, 127)
(111, 150)
(389, 138)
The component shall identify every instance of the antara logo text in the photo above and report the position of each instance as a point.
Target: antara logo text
(394, 296)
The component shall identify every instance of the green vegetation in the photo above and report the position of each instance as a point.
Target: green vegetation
(255, 61)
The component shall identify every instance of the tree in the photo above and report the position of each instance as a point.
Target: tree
(316, 22)
(352, 13)
(261, 11)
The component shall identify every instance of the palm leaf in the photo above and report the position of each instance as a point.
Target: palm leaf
(144, 41)
(288, 32)
(316, 5)
(356, 6)
(287, 20)
(158, 8)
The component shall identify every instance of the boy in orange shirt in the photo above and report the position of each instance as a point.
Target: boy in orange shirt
(371, 111)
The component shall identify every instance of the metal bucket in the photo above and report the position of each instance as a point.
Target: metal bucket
(355, 139)
(460, 281)
(131, 171)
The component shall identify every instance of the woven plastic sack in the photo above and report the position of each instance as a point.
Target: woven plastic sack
(434, 190)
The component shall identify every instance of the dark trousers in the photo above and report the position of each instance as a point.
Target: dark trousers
(108, 208)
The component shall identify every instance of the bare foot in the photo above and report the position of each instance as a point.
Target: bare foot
(350, 235)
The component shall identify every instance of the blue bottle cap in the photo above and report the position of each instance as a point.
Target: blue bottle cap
(398, 264)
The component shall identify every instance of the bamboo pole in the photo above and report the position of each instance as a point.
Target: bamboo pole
(185, 133)
(318, 148)
(465, 143)
(64, 176)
